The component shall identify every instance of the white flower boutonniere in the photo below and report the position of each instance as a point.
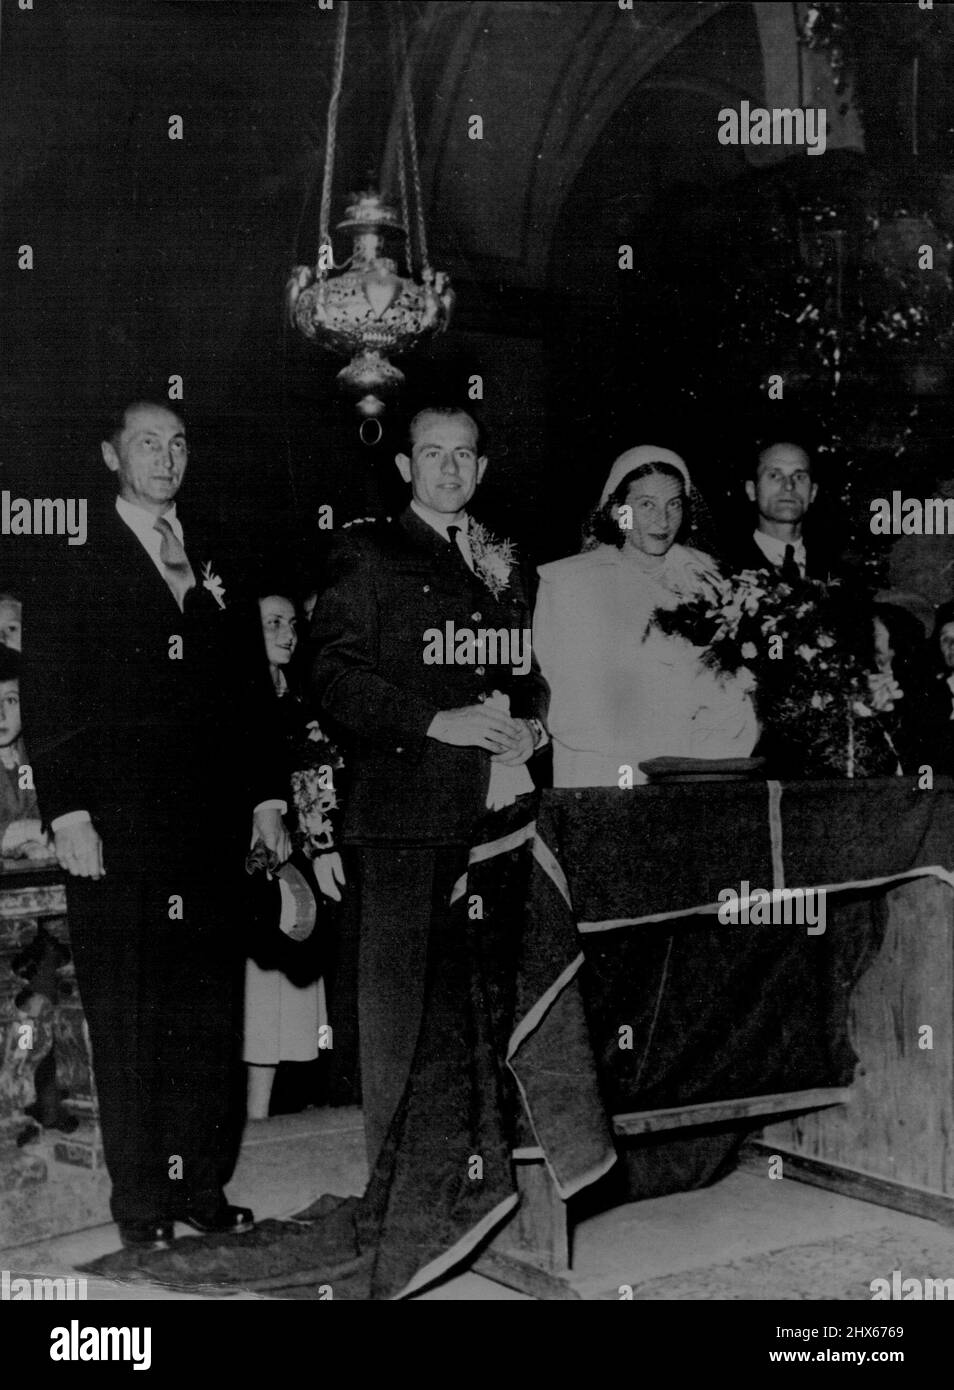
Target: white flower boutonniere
(493, 558)
(213, 583)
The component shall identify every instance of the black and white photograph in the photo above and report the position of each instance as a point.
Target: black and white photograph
(477, 663)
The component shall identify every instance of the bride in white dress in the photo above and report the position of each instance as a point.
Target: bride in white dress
(623, 692)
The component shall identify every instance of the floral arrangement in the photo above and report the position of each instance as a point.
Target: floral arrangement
(315, 792)
(799, 643)
(493, 558)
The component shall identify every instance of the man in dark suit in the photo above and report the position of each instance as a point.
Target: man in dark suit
(442, 721)
(150, 744)
(783, 492)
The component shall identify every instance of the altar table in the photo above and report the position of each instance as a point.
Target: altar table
(622, 908)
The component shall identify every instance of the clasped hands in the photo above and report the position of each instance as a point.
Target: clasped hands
(510, 741)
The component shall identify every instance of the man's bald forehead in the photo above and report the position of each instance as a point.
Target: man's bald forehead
(441, 413)
(146, 407)
(784, 453)
(120, 422)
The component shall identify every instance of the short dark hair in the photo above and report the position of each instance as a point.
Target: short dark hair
(9, 664)
(769, 439)
(115, 424)
(603, 528)
(775, 443)
(447, 410)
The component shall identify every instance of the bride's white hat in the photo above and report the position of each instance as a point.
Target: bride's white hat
(635, 458)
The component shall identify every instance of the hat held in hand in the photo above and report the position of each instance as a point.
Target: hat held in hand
(284, 894)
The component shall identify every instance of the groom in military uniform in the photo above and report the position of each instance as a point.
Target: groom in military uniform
(434, 743)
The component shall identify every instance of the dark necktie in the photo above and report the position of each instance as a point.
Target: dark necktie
(790, 571)
(457, 555)
(175, 563)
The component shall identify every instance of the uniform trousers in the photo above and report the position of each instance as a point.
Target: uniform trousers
(403, 895)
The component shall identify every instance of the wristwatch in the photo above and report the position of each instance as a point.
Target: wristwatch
(539, 733)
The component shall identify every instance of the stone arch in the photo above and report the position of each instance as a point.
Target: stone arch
(546, 78)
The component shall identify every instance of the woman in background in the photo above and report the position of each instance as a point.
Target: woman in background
(284, 1005)
(900, 664)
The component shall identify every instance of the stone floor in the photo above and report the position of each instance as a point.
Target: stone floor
(747, 1237)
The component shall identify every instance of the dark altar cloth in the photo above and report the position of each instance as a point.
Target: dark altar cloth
(716, 1011)
(629, 855)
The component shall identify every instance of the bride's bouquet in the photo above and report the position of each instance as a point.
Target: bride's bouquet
(803, 649)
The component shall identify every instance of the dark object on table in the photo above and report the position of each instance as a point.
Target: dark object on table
(703, 769)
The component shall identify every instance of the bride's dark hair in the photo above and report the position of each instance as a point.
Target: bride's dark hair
(602, 527)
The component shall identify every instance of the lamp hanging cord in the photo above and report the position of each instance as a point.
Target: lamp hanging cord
(412, 146)
(401, 164)
(405, 208)
(331, 133)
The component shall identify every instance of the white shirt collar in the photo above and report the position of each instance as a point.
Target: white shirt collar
(437, 520)
(143, 523)
(774, 549)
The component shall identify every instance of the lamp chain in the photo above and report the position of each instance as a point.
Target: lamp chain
(401, 160)
(332, 130)
(405, 210)
(412, 145)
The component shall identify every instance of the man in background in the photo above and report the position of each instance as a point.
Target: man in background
(783, 492)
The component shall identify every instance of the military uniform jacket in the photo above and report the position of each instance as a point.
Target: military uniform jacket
(395, 584)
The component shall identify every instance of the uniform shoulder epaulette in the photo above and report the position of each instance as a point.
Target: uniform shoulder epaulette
(366, 521)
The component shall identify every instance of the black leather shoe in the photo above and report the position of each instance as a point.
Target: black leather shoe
(146, 1235)
(217, 1220)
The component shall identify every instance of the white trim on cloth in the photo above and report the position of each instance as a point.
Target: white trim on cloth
(926, 871)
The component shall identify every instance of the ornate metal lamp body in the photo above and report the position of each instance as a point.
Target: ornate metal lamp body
(368, 309)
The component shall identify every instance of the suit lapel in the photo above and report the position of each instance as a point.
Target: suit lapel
(196, 548)
(126, 567)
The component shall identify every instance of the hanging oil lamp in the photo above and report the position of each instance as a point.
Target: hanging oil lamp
(363, 307)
